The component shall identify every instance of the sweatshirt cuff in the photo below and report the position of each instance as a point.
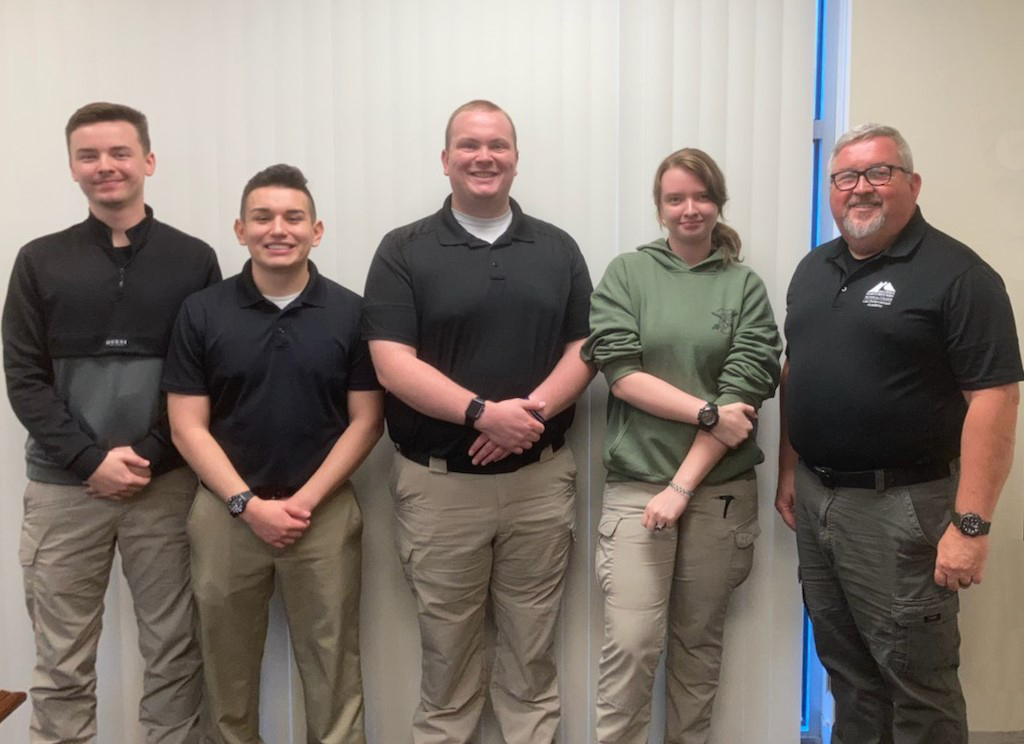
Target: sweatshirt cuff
(85, 464)
(617, 369)
(149, 448)
(727, 398)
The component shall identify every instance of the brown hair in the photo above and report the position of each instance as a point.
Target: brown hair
(478, 104)
(93, 113)
(700, 164)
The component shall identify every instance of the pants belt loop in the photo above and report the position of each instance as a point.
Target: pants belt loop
(547, 453)
(880, 480)
(437, 465)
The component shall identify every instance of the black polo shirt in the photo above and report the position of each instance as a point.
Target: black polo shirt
(494, 318)
(277, 379)
(880, 350)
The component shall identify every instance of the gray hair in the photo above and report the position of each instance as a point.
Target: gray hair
(870, 131)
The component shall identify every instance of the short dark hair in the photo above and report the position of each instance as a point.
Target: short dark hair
(93, 113)
(478, 104)
(285, 176)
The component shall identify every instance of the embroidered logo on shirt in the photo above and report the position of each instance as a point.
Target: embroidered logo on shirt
(726, 320)
(116, 342)
(880, 295)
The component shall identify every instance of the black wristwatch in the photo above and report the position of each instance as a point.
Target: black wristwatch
(971, 524)
(474, 410)
(707, 417)
(237, 503)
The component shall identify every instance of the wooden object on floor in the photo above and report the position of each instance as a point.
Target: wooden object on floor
(9, 701)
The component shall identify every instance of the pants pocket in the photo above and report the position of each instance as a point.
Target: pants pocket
(925, 633)
(606, 550)
(28, 548)
(743, 555)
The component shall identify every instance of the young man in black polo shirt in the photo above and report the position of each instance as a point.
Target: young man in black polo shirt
(900, 403)
(274, 403)
(475, 317)
(85, 328)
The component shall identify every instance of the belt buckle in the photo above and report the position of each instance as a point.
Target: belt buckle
(826, 476)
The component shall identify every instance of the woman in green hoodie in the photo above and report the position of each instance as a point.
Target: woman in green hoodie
(687, 341)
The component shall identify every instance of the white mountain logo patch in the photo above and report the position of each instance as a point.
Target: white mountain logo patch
(880, 295)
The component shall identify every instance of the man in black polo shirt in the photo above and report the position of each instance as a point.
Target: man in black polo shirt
(274, 403)
(475, 316)
(88, 316)
(900, 402)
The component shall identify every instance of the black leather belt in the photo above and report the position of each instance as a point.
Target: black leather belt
(273, 493)
(509, 465)
(879, 480)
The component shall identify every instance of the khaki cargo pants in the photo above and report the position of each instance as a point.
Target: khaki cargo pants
(462, 537)
(67, 548)
(675, 582)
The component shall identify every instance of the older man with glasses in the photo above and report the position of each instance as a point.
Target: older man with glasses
(900, 395)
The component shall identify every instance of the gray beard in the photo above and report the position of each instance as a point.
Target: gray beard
(861, 230)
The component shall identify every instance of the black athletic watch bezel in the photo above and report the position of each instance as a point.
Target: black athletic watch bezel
(971, 524)
(238, 502)
(707, 417)
(474, 410)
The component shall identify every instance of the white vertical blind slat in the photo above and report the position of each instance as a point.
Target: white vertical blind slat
(356, 92)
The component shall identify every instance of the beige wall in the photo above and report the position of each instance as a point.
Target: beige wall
(948, 75)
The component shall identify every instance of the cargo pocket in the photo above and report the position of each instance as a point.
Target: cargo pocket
(405, 556)
(605, 550)
(28, 549)
(925, 632)
(743, 555)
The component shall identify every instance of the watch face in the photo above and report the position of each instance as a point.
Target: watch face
(970, 524)
(474, 409)
(236, 504)
(708, 416)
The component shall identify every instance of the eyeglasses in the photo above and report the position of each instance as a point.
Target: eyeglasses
(876, 175)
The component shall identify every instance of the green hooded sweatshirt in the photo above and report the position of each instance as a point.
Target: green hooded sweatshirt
(707, 329)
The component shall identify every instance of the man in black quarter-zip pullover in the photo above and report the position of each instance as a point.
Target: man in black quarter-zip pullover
(85, 327)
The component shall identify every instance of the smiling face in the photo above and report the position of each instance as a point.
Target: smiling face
(480, 161)
(687, 212)
(870, 217)
(109, 164)
(279, 230)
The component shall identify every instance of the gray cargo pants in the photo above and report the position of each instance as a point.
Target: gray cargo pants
(886, 633)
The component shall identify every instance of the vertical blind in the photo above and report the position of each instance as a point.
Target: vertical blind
(356, 93)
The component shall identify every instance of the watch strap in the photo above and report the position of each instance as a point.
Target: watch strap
(971, 524)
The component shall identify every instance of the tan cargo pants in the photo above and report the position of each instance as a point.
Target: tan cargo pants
(462, 537)
(677, 580)
(67, 548)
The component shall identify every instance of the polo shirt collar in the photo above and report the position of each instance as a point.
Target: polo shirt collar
(450, 232)
(249, 296)
(905, 244)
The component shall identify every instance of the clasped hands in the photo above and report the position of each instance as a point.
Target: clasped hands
(278, 522)
(506, 427)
